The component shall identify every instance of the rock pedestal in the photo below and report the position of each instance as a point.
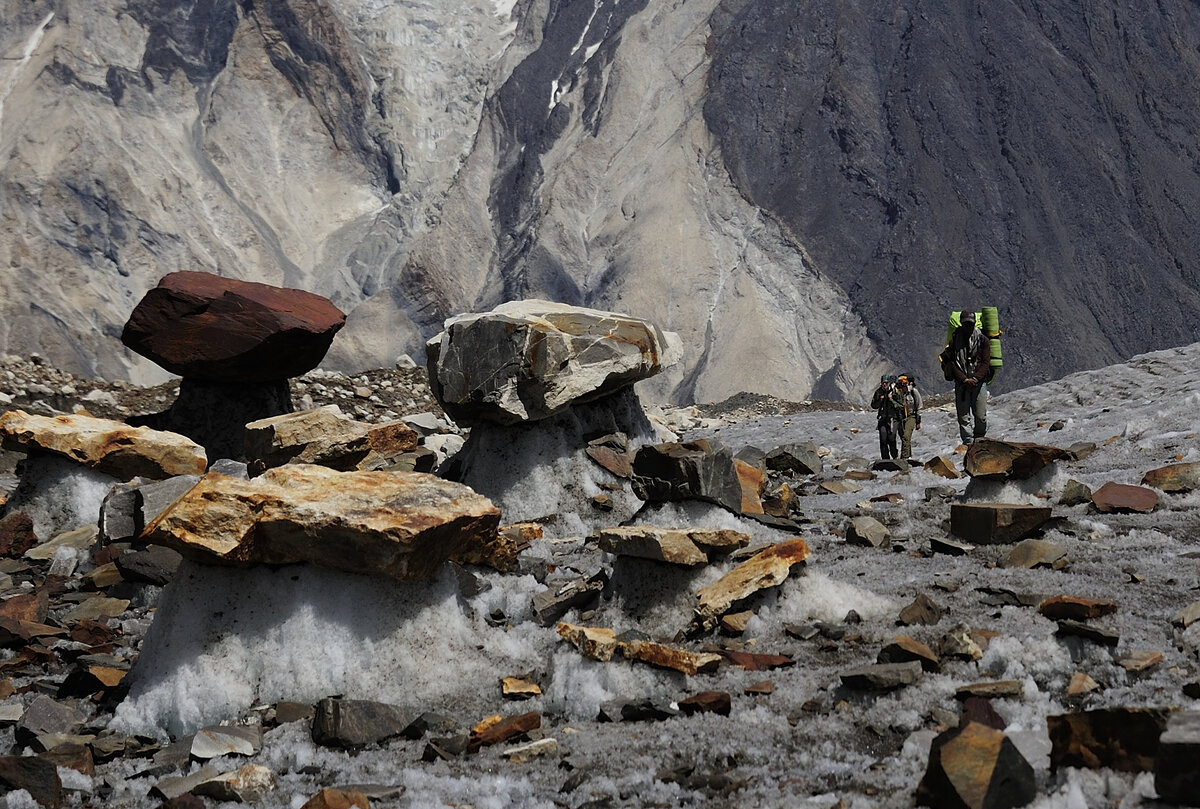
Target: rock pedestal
(996, 523)
(235, 343)
(536, 381)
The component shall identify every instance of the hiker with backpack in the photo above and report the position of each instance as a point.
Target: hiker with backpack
(968, 359)
(886, 401)
(910, 411)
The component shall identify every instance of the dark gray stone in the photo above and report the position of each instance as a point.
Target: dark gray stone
(882, 676)
(356, 723)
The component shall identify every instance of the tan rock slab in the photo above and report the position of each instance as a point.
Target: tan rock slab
(111, 447)
(399, 524)
(1140, 660)
(519, 688)
(663, 656)
(992, 689)
(677, 546)
(1187, 616)
(767, 568)
(95, 608)
(1031, 553)
(324, 436)
(1175, 478)
(976, 767)
(1082, 683)
(942, 466)
(752, 481)
(903, 649)
(597, 643)
(1016, 460)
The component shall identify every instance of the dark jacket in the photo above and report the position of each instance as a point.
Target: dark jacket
(972, 354)
(887, 402)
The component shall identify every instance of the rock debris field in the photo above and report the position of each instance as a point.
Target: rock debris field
(1052, 636)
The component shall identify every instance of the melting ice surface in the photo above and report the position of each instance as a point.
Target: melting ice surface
(224, 641)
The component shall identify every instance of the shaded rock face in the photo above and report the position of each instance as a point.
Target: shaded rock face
(772, 170)
(212, 329)
(936, 148)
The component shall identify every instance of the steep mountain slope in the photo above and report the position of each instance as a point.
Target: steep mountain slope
(800, 189)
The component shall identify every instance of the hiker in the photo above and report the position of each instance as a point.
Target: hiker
(886, 402)
(910, 411)
(970, 363)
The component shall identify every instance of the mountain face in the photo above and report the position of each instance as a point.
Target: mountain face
(801, 190)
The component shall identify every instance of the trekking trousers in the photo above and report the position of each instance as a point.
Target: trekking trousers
(906, 434)
(970, 402)
(888, 430)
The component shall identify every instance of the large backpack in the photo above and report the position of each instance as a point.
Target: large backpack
(989, 322)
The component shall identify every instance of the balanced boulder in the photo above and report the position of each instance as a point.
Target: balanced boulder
(209, 328)
(398, 524)
(527, 360)
(1009, 460)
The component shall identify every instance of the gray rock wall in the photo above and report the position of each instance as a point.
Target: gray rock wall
(801, 191)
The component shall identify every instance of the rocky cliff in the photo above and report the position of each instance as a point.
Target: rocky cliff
(801, 190)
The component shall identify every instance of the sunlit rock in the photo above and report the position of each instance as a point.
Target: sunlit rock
(526, 360)
(976, 767)
(398, 524)
(111, 447)
(324, 436)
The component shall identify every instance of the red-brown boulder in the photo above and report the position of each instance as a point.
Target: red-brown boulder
(214, 329)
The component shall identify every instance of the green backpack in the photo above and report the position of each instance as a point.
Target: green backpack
(989, 322)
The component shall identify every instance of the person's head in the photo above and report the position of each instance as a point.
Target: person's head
(967, 318)
(904, 380)
(887, 379)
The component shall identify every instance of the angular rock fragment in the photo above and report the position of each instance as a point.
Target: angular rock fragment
(979, 709)
(767, 568)
(554, 602)
(942, 466)
(991, 689)
(1081, 683)
(923, 610)
(1187, 616)
(399, 524)
(325, 437)
(1140, 660)
(225, 740)
(527, 360)
(1123, 739)
(718, 702)
(1032, 553)
(505, 730)
(1175, 478)
(795, 459)
(16, 534)
(623, 710)
(757, 661)
(670, 657)
(882, 676)
(1078, 629)
(1075, 493)
(996, 523)
(36, 776)
(502, 551)
(597, 643)
(1176, 776)
(111, 447)
(328, 798)
(868, 531)
(1015, 460)
(248, 785)
(691, 470)
(353, 723)
(949, 546)
(1121, 497)
(680, 546)
(904, 649)
(1077, 608)
(216, 329)
(519, 688)
(976, 767)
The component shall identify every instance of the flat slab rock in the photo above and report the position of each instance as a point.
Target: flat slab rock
(1015, 460)
(206, 327)
(398, 524)
(108, 446)
(679, 546)
(527, 360)
(767, 568)
(1122, 497)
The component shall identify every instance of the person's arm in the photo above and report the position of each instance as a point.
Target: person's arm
(877, 398)
(918, 403)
